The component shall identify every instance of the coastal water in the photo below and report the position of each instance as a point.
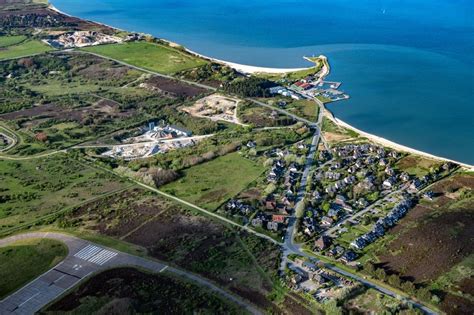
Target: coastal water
(407, 64)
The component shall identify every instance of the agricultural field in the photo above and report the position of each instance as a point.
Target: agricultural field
(17, 46)
(432, 246)
(23, 261)
(212, 183)
(31, 190)
(151, 56)
(127, 290)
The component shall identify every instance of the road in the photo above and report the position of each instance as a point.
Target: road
(84, 259)
(289, 246)
(207, 87)
(362, 212)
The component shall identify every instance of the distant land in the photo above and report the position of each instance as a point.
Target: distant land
(408, 69)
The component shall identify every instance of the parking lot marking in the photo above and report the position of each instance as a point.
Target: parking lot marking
(87, 252)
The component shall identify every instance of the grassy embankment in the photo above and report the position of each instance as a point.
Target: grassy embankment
(23, 261)
(210, 184)
(154, 57)
(19, 46)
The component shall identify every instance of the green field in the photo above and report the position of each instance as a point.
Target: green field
(29, 47)
(23, 261)
(150, 56)
(210, 184)
(11, 40)
(33, 189)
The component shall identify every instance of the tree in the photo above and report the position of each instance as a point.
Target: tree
(394, 280)
(369, 268)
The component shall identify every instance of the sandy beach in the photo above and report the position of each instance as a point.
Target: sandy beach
(325, 70)
(391, 144)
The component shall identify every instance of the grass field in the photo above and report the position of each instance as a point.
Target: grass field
(151, 56)
(11, 40)
(32, 189)
(23, 261)
(29, 47)
(210, 184)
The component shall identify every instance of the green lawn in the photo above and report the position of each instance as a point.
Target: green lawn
(151, 56)
(308, 109)
(26, 48)
(11, 40)
(33, 189)
(23, 261)
(210, 184)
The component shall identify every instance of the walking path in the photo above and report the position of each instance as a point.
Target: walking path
(86, 258)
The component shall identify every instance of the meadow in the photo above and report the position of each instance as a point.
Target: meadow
(16, 46)
(23, 261)
(154, 57)
(210, 184)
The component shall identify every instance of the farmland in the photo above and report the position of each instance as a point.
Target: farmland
(21, 262)
(33, 189)
(155, 57)
(140, 292)
(212, 183)
(15, 48)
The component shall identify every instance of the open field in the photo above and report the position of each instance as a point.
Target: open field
(212, 183)
(155, 57)
(195, 242)
(32, 189)
(23, 261)
(127, 290)
(372, 302)
(25, 48)
(57, 101)
(416, 165)
(172, 88)
(215, 107)
(258, 116)
(6, 41)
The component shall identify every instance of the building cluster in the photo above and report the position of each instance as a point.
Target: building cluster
(153, 140)
(382, 225)
(82, 39)
(319, 282)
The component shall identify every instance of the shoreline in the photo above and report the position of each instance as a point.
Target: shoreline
(247, 69)
(391, 144)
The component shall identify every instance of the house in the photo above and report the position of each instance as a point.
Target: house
(323, 242)
(389, 171)
(348, 256)
(273, 226)
(362, 203)
(358, 243)
(257, 222)
(405, 177)
(318, 279)
(340, 199)
(383, 162)
(428, 195)
(326, 221)
(389, 183)
(251, 144)
(336, 251)
(278, 218)
(415, 184)
(180, 132)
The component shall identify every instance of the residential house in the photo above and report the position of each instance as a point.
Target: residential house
(322, 243)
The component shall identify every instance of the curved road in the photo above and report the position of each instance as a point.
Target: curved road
(85, 258)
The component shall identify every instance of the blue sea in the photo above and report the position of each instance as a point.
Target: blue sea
(408, 65)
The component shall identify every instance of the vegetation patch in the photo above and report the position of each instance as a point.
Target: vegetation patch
(151, 56)
(127, 290)
(212, 183)
(23, 261)
(34, 189)
(25, 48)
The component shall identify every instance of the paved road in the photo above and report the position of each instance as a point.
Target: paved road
(86, 258)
